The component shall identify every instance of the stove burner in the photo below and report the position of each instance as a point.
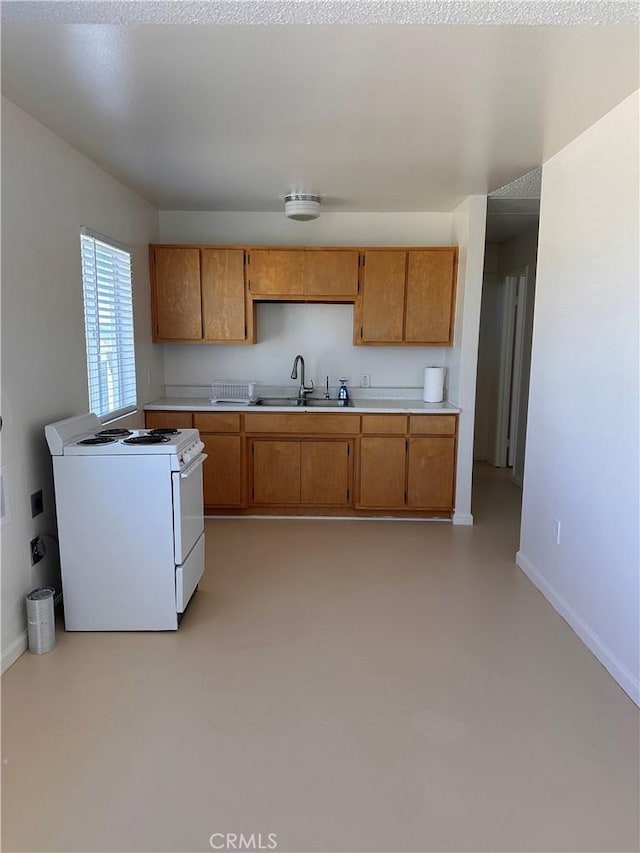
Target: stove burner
(98, 439)
(146, 439)
(164, 431)
(116, 432)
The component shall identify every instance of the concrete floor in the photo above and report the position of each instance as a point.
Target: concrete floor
(345, 685)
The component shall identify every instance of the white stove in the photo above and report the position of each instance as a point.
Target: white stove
(130, 523)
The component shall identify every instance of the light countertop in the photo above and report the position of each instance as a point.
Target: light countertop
(368, 405)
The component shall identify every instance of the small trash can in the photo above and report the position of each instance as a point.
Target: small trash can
(41, 620)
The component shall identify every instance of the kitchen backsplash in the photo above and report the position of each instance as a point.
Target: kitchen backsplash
(323, 334)
(266, 390)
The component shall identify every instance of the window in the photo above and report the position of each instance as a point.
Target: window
(108, 315)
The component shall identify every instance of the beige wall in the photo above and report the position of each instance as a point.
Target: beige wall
(49, 191)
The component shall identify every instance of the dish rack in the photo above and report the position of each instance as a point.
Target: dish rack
(229, 391)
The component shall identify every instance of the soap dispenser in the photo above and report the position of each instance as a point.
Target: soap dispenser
(343, 393)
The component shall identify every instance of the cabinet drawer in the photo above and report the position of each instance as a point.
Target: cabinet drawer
(432, 424)
(384, 424)
(303, 423)
(218, 422)
(168, 420)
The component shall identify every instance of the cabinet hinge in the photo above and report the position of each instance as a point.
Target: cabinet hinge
(248, 284)
(406, 444)
(361, 330)
(348, 494)
(348, 450)
(248, 258)
(364, 258)
(245, 330)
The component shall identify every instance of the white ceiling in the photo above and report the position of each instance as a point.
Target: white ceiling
(377, 117)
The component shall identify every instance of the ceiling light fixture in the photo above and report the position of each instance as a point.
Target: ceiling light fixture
(302, 206)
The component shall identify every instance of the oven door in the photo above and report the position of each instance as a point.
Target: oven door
(188, 510)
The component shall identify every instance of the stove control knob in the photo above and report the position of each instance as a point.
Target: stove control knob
(186, 456)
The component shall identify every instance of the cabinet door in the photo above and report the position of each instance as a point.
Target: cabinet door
(383, 462)
(431, 472)
(176, 291)
(168, 420)
(222, 470)
(430, 295)
(223, 295)
(276, 472)
(330, 273)
(275, 272)
(325, 478)
(382, 304)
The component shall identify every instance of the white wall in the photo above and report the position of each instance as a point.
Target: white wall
(469, 225)
(582, 457)
(322, 333)
(49, 191)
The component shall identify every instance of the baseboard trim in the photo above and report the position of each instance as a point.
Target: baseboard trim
(13, 651)
(614, 666)
(463, 518)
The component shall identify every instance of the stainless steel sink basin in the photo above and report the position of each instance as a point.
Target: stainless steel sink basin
(279, 401)
(326, 404)
(296, 402)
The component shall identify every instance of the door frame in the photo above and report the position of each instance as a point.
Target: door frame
(510, 376)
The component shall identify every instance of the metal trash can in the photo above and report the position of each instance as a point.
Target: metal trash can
(41, 620)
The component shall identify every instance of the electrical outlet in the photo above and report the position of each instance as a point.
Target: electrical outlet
(37, 504)
(37, 549)
(365, 380)
(556, 531)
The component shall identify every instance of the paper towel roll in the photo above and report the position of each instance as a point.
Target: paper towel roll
(433, 384)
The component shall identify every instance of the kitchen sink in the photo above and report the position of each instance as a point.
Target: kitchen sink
(296, 402)
(278, 401)
(326, 404)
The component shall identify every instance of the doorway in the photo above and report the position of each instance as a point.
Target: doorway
(504, 349)
(510, 439)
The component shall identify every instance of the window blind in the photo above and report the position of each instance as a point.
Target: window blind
(108, 314)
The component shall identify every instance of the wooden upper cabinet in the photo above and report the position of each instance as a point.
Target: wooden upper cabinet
(275, 272)
(382, 297)
(176, 293)
(223, 295)
(330, 273)
(430, 296)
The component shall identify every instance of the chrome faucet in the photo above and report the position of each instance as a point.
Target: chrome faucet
(294, 375)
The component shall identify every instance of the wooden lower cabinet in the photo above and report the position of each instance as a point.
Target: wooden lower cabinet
(168, 420)
(413, 471)
(301, 472)
(325, 473)
(275, 466)
(430, 472)
(264, 463)
(222, 473)
(383, 464)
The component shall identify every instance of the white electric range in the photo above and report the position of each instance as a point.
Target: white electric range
(130, 523)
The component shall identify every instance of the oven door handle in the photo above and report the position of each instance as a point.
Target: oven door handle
(197, 462)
